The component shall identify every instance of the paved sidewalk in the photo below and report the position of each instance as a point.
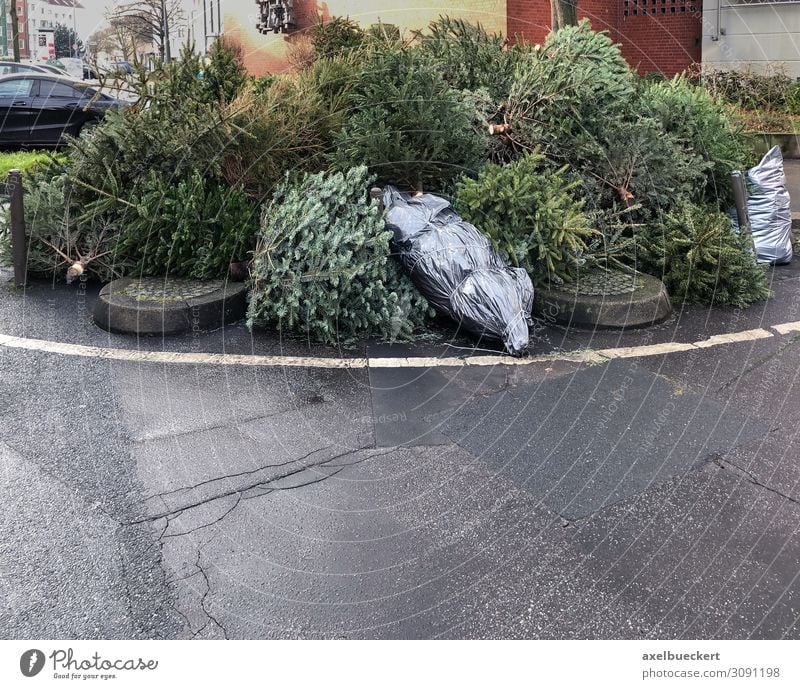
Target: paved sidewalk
(645, 497)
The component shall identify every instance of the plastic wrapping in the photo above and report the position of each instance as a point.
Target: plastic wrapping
(455, 267)
(769, 207)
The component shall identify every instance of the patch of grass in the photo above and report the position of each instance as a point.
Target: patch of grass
(22, 160)
(767, 121)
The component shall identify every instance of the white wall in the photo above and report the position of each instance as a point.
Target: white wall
(751, 34)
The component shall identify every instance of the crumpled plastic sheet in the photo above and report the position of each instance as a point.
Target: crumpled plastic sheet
(457, 270)
(769, 208)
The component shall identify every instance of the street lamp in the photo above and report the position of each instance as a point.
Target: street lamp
(165, 30)
(74, 31)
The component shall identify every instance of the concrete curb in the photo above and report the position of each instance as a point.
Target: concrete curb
(158, 307)
(569, 305)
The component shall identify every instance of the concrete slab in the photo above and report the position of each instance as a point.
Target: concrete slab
(601, 436)
(410, 404)
(708, 555)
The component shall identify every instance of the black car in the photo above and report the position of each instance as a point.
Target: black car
(39, 110)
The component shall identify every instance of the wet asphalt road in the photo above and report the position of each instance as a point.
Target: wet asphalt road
(641, 498)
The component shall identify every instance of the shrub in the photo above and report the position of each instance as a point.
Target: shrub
(408, 125)
(193, 228)
(224, 75)
(701, 259)
(290, 126)
(771, 89)
(336, 37)
(57, 241)
(577, 100)
(322, 267)
(173, 130)
(530, 213)
(703, 128)
(468, 57)
(569, 91)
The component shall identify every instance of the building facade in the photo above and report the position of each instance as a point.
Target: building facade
(22, 19)
(4, 45)
(752, 33)
(34, 16)
(655, 35)
(45, 15)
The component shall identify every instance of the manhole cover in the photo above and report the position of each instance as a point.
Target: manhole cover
(157, 289)
(608, 282)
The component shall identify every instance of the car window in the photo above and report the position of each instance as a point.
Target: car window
(13, 88)
(57, 89)
(14, 69)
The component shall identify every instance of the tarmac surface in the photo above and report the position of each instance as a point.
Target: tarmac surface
(639, 497)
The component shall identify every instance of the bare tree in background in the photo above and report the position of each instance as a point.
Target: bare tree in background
(14, 29)
(150, 20)
(121, 38)
(563, 13)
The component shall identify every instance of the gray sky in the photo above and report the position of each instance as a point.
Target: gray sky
(92, 17)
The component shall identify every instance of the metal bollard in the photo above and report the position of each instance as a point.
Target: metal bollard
(376, 196)
(19, 248)
(740, 199)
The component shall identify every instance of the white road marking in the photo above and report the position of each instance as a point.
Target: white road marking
(786, 328)
(588, 356)
(645, 350)
(729, 338)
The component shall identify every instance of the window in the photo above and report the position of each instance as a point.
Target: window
(658, 7)
(14, 88)
(56, 89)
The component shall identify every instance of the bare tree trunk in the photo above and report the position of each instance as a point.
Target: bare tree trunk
(14, 30)
(563, 13)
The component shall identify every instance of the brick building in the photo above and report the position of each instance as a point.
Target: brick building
(655, 35)
(22, 19)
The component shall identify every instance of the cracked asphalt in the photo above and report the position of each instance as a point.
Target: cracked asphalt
(639, 498)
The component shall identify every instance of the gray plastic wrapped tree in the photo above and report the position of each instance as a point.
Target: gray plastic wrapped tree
(769, 207)
(457, 270)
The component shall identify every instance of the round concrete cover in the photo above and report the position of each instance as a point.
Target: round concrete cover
(159, 306)
(605, 299)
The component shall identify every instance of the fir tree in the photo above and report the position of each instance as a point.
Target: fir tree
(701, 259)
(322, 267)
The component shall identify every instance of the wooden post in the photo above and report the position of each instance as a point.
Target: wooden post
(19, 248)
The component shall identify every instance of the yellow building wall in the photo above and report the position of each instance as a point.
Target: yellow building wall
(267, 53)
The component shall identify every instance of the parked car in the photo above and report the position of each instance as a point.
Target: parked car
(52, 69)
(7, 67)
(40, 109)
(120, 67)
(77, 68)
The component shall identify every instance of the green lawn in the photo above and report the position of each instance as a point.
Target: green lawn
(22, 160)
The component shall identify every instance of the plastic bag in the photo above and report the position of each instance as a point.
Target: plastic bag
(455, 267)
(769, 207)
